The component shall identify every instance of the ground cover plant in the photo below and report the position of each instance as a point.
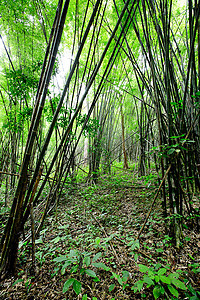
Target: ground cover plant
(90, 249)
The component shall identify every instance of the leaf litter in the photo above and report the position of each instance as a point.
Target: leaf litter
(91, 245)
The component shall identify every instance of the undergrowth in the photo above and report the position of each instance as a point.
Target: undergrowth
(90, 250)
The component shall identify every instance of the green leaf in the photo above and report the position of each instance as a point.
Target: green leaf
(143, 268)
(60, 258)
(90, 273)
(138, 286)
(97, 256)
(148, 280)
(126, 275)
(87, 261)
(17, 281)
(165, 279)
(135, 244)
(173, 275)
(67, 263)
(173, 291)
(56, 240)
(162, 290)
(77, 287)
(38, 241)
(84, 297)
(111, 287)
(102, 266)
(120, 280)
(170, 151)
(67, 284)
(96, 279)
(63, 271)
(97, 240)
(72, 253)
(194, 298)
(157, 291)
(162, 271)
(179, 284)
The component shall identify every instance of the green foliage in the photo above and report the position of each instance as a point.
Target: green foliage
(121, 280)
(76, 285)
(91, 127)
(22, 81)
(15, 121)
(195, 267)
(64, 114)
(78, 263)
(161, 283)
(27, 283)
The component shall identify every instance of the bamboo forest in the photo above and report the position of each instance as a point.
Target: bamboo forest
(99, 149)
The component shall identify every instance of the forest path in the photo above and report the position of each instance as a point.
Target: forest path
(94, 234)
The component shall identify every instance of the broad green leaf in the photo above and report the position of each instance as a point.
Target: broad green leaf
(173, 275)
(194, 298)
(87, 261)
(157, 278)
(111, 287)
(67, 284)
(165, 279)
(148, 280)
(84, 297)
(157, 291)
(97, 256)
(143, 268)
(173, 291)
(56, 240)
(162, 271)
(116, 276)
(162, 290)
(136, 257)
(60, 258)
(126, 275)
(68, 263)
(102, 266)
(138, 286)
(179, 284)
(77, 287)
(90, 273)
